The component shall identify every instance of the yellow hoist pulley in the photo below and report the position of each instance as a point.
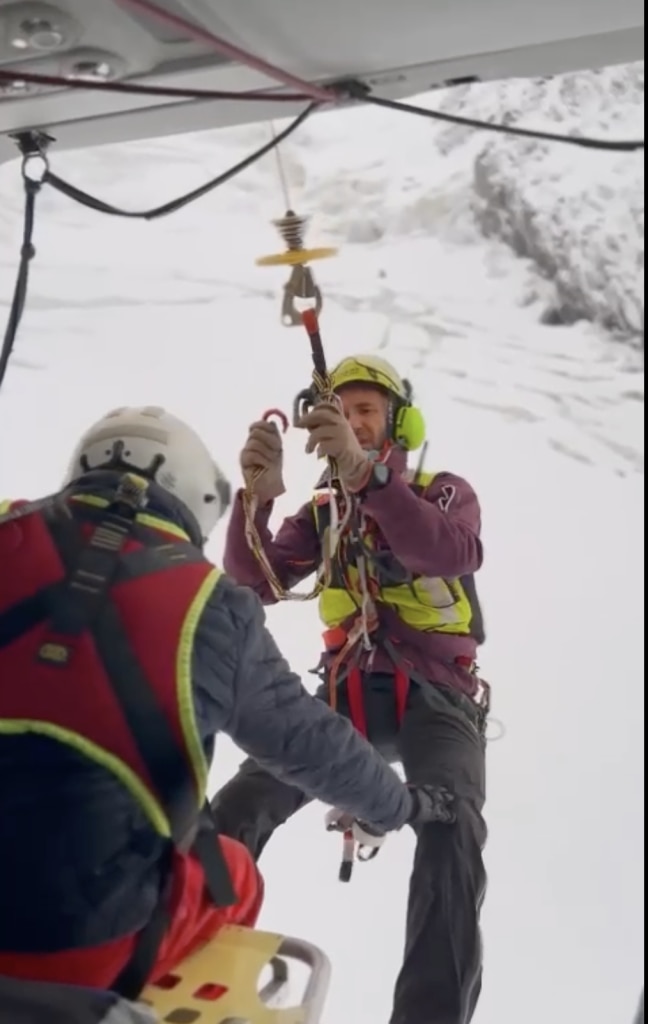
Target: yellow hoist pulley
(301, 284)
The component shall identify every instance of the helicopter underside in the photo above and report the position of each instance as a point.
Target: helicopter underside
(398, 50)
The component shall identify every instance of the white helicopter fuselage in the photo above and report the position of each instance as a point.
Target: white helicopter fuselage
(398, 49)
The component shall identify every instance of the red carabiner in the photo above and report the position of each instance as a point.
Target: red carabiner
(281, 416)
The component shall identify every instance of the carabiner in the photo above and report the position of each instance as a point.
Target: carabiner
(277, 414)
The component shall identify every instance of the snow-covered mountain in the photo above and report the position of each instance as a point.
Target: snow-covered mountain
(578, 213)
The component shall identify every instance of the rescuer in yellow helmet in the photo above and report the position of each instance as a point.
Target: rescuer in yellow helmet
(401, 627)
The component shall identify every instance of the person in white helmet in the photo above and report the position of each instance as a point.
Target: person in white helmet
(402, 624)
(123, 653)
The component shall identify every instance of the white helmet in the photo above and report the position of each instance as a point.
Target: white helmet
(163, 449)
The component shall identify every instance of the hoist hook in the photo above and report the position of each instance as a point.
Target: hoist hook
(300, 289)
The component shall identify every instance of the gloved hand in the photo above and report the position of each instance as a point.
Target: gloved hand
(365, 835)
(431, 804)
(261, 461)
(332, 436)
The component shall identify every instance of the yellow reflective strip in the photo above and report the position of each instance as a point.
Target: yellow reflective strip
(161, 524)
(4, 507)
(102, 757)
(424, 479)
(144, 519)
(184, 681)
(89, 499)
(419, 479)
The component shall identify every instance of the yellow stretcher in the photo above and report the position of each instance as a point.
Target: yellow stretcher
(222, 983)
(219, 984)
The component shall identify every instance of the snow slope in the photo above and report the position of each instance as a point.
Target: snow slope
(546, 422)
(557, 206)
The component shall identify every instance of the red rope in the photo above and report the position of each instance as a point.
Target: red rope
(221, 46)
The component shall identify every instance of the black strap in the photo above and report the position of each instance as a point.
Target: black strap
(206, 847)
(21, 617)
(134, 976)
(27, 253)
(93, 569)
(165, 760)
(90, 566)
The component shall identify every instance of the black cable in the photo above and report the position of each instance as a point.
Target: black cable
(355, 90)
(164, 91)
(34, 144)
(359, 91)
(76, 194)
(27, 253)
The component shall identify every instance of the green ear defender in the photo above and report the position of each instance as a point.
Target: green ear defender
(409, 422)
(409, 427)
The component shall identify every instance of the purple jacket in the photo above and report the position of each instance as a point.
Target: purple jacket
(437, 534)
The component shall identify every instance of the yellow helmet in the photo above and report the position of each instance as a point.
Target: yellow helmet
(371, 370)
(408, 424)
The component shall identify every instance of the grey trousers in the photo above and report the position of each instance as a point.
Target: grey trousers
(440, 978)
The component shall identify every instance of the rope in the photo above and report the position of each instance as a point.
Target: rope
(322, 391)
(281, 170)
